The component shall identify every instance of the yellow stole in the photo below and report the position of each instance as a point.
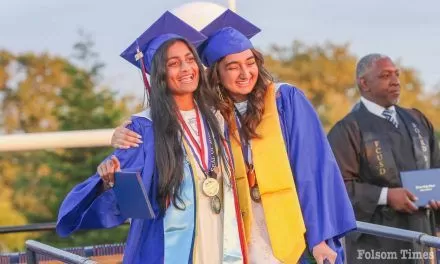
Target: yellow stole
(279, 198)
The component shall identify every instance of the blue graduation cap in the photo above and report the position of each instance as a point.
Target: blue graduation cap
(227, 34)
(141, 52)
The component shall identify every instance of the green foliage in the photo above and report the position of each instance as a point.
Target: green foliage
(44, 93)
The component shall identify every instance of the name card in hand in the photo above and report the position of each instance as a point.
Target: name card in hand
(424, 184)
(131, 196)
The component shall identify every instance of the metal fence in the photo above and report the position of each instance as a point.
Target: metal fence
(36, 251)
(35, 248)
(398, 234)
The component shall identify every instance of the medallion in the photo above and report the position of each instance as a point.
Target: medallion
(216, 204)
(210, 187)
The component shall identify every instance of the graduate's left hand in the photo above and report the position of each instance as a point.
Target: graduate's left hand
(323, 252)
(434, 205)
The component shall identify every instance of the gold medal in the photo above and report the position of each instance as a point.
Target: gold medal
(216, 204)
(255, 194)
(210, 187)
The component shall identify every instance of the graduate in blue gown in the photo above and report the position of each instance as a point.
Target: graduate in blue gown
(182, 148)
(326, 208)
(250, 102)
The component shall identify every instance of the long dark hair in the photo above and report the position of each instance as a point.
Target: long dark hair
(167, 130)
(255, 108)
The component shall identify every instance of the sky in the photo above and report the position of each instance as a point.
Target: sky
(404, 30)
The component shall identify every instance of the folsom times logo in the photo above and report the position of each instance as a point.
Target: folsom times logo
(388, 255)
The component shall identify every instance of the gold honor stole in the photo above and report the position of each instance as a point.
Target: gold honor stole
(279, 198)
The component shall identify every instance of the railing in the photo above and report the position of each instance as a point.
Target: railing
(53, 140)
(362, 227)
(111, 253)
(27, 228)
(33, 248)
(398, 234)
(82, 253)
(32, 228)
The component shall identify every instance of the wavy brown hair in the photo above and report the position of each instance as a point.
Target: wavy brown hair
(255, 108)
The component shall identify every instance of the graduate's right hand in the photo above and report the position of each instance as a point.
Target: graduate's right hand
(107, 169)
(124, 138)
(402, 200)
(324, 254)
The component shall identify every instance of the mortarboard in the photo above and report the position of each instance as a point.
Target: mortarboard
(141, 52)
(227, 34)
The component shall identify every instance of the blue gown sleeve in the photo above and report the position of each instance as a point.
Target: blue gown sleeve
(85, 208)
(326, 208)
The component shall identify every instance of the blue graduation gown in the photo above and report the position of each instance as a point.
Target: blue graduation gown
(166, 239)
(84, 208)
(327, 211)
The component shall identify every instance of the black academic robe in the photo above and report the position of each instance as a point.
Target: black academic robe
(371, 153)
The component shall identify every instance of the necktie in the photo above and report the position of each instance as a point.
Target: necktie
(390, 116)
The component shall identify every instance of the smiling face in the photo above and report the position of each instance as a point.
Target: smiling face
(381, 83)
(182, 70)
(238, 74)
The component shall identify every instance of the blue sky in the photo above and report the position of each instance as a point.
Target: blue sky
(402, 29)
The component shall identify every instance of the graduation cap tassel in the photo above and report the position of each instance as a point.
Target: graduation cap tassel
(140, 57)
(144, 77)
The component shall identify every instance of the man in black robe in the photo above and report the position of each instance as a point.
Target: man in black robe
(373, 144)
